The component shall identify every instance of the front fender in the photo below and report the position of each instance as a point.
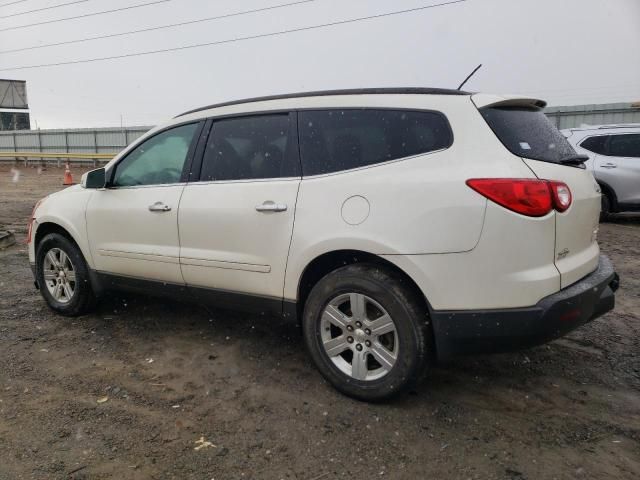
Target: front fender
(67, 210)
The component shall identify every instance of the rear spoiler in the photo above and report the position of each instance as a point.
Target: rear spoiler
(481, 100)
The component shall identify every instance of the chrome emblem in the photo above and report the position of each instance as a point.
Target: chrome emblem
(563, 253)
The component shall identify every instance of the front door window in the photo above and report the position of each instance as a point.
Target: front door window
(158, 160)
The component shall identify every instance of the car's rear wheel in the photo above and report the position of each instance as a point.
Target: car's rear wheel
(63, 276)
(605, 207)
(367, 331)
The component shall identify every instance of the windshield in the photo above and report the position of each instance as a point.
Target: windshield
(528, 133)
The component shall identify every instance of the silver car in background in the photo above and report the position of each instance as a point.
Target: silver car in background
(614, 159)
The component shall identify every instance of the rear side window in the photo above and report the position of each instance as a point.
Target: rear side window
(247, 148)
(596, 144)
(527, 132)
(625, 145)
(342, 139)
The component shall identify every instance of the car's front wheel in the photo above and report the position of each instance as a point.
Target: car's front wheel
(367, 331)
(63, 276)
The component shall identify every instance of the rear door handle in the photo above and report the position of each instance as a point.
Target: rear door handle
(159, 207)
(609, 165)
(270, 206)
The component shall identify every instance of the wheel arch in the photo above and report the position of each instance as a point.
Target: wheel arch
(327, 262)
(47, 227)
(611, 193)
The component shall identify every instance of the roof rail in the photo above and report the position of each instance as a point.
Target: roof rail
(604, 127)
(619, 125)
(323, 93)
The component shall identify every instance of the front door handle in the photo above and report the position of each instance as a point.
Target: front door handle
(159, 207)
(270, 206)
(609, 165)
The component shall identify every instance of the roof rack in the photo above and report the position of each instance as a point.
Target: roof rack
(323, 93)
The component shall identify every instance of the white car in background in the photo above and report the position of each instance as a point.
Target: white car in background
(614, 159)
(398, 225)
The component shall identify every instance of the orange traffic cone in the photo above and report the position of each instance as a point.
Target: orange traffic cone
(68, 178)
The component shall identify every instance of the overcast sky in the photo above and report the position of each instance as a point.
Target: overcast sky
(565, 51)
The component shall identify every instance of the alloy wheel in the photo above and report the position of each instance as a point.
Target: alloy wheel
(359, 336)
(59, 275)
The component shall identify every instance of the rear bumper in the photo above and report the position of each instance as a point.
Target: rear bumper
(463, 331)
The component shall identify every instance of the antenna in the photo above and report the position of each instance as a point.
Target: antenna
(469, 76)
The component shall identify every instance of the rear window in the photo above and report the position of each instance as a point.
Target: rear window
(342, 139)
(528, 133)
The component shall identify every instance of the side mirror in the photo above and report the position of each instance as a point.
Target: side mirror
(94, 179)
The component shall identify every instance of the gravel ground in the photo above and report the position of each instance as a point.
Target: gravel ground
(150, 389)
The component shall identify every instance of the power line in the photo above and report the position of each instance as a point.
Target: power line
(12, 3)
(44, 8)
(237, 39)
(140, 5)
(160, 27)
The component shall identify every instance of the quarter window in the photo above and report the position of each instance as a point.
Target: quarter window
(247, 148)
(158, 160)
(342, 139)
(625, 145)
(596, 144)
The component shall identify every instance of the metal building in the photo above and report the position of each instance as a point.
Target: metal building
(14, 107)
(602, 114)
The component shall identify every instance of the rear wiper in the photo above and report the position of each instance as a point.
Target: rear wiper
(574, 160)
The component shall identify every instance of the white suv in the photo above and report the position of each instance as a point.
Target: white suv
(399, 225)
(614, 159)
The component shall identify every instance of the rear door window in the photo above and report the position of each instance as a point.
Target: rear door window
(528, 133)
(251, 148)
(625, 145)
(342, 139)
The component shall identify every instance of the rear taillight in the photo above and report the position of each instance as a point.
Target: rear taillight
(530, 197)
(561, 195)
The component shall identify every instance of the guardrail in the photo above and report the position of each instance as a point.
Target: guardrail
(41, 157)
(40, 147)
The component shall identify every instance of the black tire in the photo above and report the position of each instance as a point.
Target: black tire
(605, 209)
(409, 315)
(83, 298)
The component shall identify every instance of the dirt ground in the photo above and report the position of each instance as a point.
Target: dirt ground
(135, 390)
